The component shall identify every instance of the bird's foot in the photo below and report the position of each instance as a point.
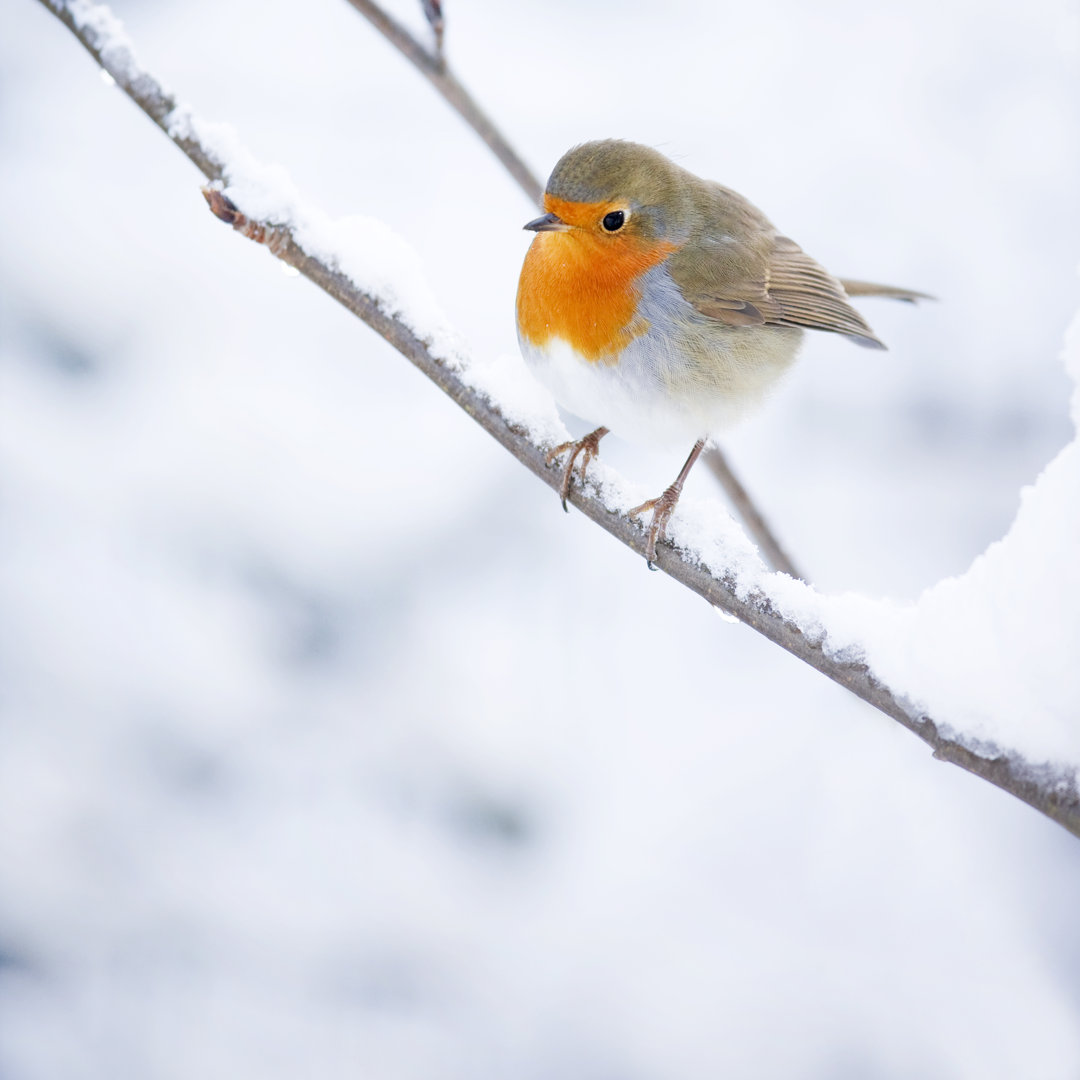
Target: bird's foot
(662, 509)
(586, 448)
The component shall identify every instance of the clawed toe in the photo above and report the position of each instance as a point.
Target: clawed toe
(662, 509)
(586, 448)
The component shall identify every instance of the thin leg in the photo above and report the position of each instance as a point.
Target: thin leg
(663, 507)
(587, 448)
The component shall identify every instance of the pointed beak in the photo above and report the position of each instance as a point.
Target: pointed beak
(548, 223)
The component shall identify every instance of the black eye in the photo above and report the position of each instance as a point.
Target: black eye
(613, 222)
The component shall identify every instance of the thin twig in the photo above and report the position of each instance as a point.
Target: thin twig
(433, 12)
(770, 547)
(433, 66)
(1051, 789)
(435, 69)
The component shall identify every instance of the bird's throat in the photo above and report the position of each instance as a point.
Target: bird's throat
(585, 289)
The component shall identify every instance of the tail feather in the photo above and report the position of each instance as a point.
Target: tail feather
(868, 288)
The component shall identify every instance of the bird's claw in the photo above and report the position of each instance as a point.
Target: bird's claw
(586, 448)
(662, 509)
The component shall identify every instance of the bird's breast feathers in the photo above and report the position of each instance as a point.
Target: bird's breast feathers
(585, 292)
(665, 375)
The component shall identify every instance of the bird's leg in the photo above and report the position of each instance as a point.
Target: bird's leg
(587, 448)
(663, 507)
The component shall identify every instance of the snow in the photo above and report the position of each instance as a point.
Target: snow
(369, 253)
(993, 652)
(990, 655)
(329, 744)
(521, 399)
(100, 21)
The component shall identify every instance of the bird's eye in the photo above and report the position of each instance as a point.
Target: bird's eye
(613, 222)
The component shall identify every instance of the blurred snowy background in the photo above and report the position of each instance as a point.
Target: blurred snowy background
(330, 746)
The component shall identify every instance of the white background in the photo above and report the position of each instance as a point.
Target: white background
(330, 747)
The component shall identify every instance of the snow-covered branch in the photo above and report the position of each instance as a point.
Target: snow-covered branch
(961, 655)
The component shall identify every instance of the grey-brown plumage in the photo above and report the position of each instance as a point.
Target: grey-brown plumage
(732, 264)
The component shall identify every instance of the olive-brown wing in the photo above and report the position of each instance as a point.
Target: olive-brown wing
(738, 270)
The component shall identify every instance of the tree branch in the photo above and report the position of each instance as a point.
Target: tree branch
(1051, 789)
(434, 68)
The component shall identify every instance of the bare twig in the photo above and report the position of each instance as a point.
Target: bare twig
(1051, 789)
(776, 556)
(434, 68)
(433, 12)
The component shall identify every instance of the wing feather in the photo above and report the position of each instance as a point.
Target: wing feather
(754, 276)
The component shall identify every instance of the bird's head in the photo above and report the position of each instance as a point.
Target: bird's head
(616, 195)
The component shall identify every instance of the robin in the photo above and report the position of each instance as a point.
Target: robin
(665, 306)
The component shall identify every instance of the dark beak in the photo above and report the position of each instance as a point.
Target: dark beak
(548, 223)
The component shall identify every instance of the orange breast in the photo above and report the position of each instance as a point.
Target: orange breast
(584, 288)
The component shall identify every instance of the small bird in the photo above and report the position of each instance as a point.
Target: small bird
(664, 306)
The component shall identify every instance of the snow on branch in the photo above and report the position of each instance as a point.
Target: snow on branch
(991, 656)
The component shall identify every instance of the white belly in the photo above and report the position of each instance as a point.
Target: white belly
(686, 378)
